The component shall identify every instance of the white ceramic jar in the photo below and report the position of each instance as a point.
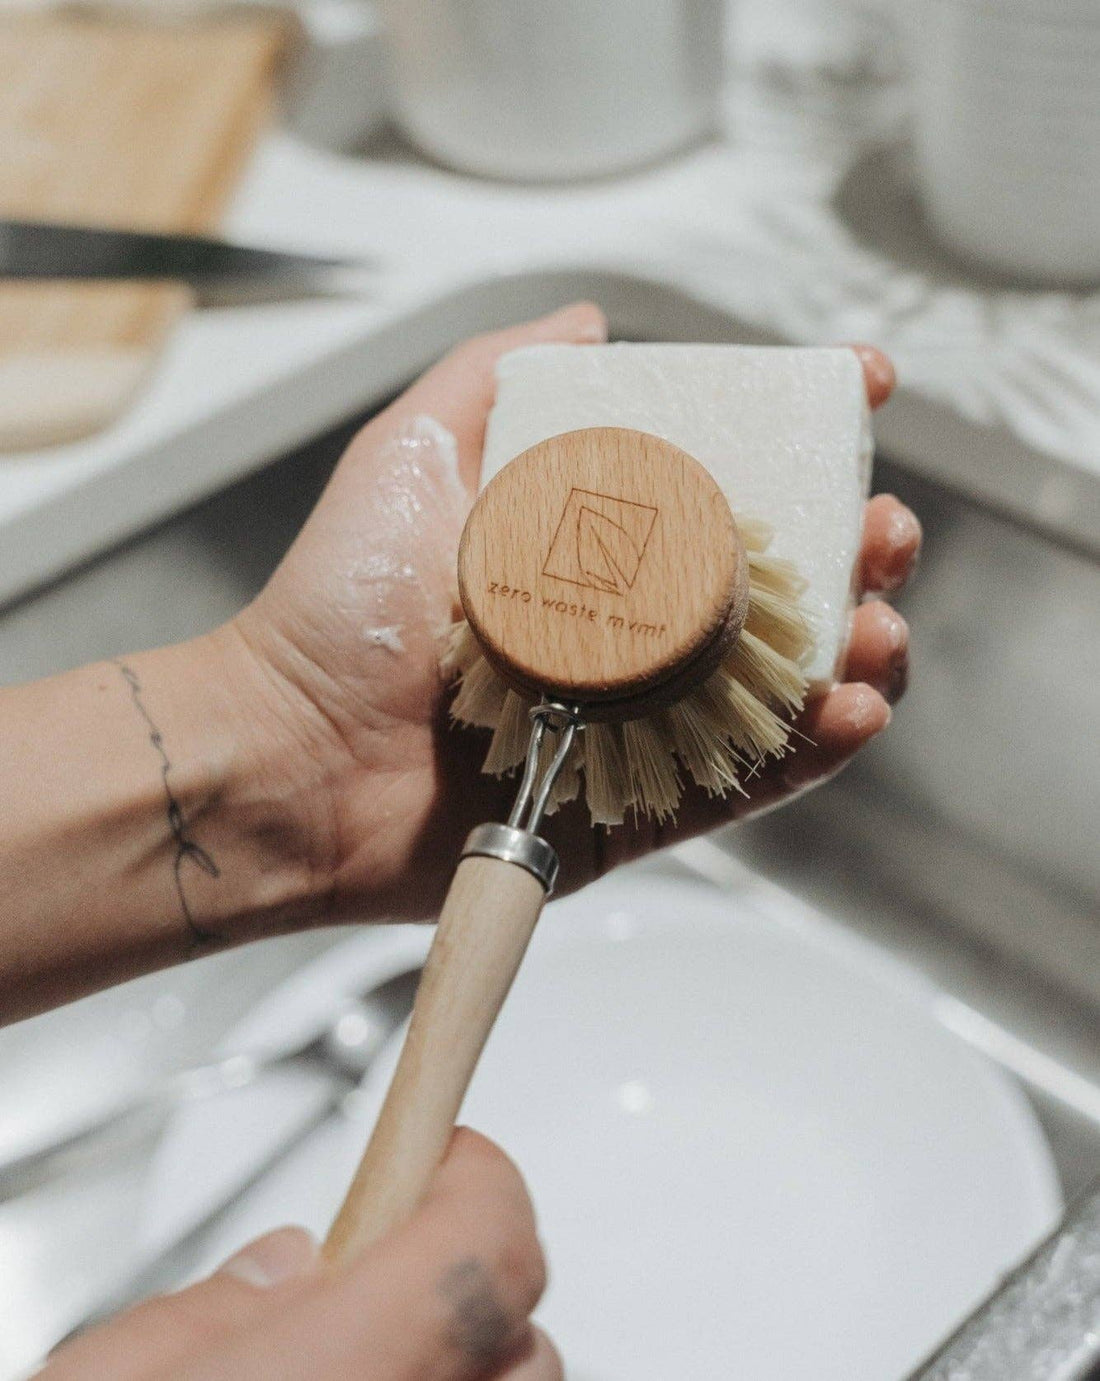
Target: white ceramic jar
(546, 89)
(1006, 116)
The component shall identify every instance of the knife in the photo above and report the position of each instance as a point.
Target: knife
(41, 249)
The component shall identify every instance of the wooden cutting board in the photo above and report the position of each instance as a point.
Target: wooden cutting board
(114, 121)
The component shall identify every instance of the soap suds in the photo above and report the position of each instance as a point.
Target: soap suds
(404, 577)
(388, 637)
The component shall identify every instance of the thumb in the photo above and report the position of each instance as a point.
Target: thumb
(283, 1255)
(459, 390)
(162, 1332)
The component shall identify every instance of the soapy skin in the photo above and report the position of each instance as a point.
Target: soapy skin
(398, 571)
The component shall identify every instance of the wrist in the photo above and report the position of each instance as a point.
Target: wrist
(252, 777)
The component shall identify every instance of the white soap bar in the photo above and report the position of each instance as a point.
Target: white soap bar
(784, 431)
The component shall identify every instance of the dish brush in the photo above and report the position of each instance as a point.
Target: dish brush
(622, 629)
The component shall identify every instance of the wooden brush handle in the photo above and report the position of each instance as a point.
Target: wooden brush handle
(486, 923)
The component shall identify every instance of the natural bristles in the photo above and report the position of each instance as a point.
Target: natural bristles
(509, 745)
(718, 735)
(481, 696)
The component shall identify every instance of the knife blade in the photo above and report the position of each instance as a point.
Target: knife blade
(45, 250)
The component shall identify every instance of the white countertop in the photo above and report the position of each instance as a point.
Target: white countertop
(795, 227)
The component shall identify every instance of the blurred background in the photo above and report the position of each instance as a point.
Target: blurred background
(925, 177)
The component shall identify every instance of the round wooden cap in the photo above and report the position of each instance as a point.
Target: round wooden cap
(603, 567)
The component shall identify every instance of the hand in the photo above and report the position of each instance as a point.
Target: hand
(444, 1298)
(347, 634)
(296, 766)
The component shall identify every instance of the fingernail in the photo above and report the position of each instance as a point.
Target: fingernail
(897, 632)
(905, 530)
(899, 555)
(271, 1260)
(869, 712)
(897, 677)
(897, 682)
(879, 372)
(584, 322)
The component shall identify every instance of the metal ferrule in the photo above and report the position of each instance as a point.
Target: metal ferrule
(510, 845)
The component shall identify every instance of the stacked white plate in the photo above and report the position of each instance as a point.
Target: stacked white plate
(1007, 131)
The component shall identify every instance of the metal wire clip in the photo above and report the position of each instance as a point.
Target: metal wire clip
(518, 842)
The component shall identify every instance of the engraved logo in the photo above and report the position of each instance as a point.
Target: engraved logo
(600, 541)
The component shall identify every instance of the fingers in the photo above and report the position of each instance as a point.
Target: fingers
(832, 729)
(878, 374)
(878, 650)
(445, 1298)
(891, 545)
(168, 1331)
(459, 391)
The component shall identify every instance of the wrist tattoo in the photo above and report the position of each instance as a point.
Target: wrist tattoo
(187, 851)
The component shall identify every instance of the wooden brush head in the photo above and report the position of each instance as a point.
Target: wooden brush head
(603, 567)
